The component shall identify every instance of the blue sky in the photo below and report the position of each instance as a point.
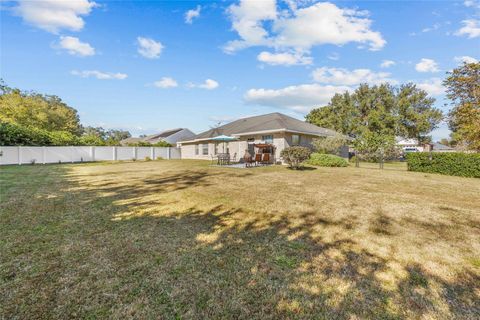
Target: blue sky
(151, 65)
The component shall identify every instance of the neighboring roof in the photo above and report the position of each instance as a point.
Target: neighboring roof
(131, 140)
(406, 141)
(265, 123)
(439, 146)
(171, 136)
(162, 134)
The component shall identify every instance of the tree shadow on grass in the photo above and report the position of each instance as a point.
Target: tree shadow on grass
(219, 263)
(229, 268)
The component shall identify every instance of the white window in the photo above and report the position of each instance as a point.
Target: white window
(268, 138)
(295, 139)
(205, 149)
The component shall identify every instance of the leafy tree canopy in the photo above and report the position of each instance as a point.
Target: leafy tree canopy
(463, 90)
(405, 111)
(34, 110)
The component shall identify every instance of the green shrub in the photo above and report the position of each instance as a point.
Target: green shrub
(12, 134)
(326, 160)
(159, 158)
(331, 144)
(294, 156)
(90, 140)
(62, 138)
(148, 159)
(451, 163)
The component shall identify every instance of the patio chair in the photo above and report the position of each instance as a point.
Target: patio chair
(266, 158)
(234, 158)
(258, 158)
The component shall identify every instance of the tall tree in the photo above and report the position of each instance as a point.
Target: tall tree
(405, 111)
(114, 136)
(463, 89)
(30, 109)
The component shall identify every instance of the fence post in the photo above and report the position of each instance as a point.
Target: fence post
(152, 153)
(44, 154)
(71, 153)
(92, 153)
(19, 155)
(114, 150)
(134, 150)
(168, 153)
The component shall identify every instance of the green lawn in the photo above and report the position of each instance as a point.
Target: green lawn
(179, 239)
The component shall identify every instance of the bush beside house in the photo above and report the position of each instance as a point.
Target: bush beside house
(295, 156)
(326, 160)
(455, 164)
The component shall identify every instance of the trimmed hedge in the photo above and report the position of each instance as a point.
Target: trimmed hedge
(326, 160)
(451, 163)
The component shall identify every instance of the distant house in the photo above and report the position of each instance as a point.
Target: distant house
(275, 129)
(412, 145)
(409, 145)
(170, 136)
(438, 147)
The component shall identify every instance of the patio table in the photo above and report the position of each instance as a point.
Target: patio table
(223, 159)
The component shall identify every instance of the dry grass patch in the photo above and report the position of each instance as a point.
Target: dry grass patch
(180, 239)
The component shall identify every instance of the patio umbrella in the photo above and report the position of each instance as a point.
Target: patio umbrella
(224, 139)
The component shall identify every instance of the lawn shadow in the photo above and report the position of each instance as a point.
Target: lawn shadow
(220, 262)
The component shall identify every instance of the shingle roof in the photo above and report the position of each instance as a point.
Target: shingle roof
(162, 134)
(266, 122)
(439, 146)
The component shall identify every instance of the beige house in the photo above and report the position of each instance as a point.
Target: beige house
(277, 129)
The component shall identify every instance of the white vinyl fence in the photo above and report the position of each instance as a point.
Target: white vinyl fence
(28, 155)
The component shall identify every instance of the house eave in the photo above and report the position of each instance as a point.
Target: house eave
(240, 134)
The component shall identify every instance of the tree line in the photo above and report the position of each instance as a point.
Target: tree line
(375, 115)
(31, 118)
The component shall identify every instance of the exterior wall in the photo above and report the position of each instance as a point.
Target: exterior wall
(305, 140)
(239, 147)
(281, 140)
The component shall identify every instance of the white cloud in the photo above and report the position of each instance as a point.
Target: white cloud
(166, 83)
(75, 47)
(436, 26)
(209, 84)
(149, 48)
(334, 56)
(325, 23)
(247, 20)
(340, 76)
(301, 98)
(192, 14)
(99, 75)
(472, 4)
(387, 63)
(432, 86)
(466, 59)
(471, 28)
(55, 15)
(285, 58)
(427, 65)
(299, 28)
